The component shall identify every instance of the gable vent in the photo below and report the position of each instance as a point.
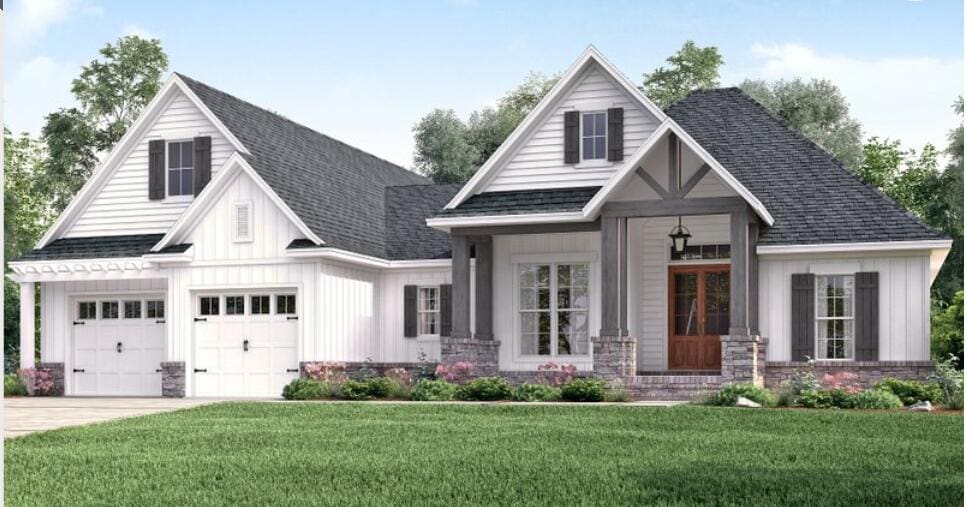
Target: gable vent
(243, 221)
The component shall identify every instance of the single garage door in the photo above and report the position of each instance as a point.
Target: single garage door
(245, 343)
(119, 344)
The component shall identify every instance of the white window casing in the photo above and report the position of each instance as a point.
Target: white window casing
(835, 317)
(242, 221)
(428, 311)
(553, 308)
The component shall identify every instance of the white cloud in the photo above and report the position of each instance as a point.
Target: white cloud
(140, 31)
(35, 89)
(31, 19)
(905, 98)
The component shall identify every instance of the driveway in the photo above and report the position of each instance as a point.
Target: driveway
(31, 414)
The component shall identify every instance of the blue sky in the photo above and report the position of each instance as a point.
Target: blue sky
(365, 72)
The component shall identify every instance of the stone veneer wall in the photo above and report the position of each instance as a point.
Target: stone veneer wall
(482, 353)
(173, 379)
(744, 359)
(56, 371)
(380, 368)
(615, 356)
(671, 386)
(869, 372)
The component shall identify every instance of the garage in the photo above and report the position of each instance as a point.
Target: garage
(118, 345)
(246, 343)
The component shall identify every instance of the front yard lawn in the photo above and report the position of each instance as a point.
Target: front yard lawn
(378, 454)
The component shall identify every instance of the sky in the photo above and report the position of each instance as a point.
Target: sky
(365, 72)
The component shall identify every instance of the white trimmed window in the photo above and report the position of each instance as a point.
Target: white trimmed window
(181, 168)
(428, 311)
(553, 302)
(593, 136)
(242, 221)
(835, 335)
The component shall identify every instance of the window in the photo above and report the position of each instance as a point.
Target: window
(834, 316)
(701, 252)
(234, 305)
(154, 309)
(243, 221)
(132, 309)
(428, 311)
(109, 309)
(260, 305)
(180, 168)
(285, 304)
(553, 309)
(593, 142)
(86, 310)
(209, 305)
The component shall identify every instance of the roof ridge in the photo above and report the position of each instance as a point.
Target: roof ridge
(291, 121)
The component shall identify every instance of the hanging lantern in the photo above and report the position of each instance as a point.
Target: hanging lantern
(679, 236)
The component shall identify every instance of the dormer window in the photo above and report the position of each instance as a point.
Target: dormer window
(593, 136)
(180, 168)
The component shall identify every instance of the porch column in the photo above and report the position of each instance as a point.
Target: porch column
(461, 287)
(739, 280)
(623, 276)
(743, 351)
(614, 350)
(753, 261)
(610, 284)
(27, 324)
(483, 301)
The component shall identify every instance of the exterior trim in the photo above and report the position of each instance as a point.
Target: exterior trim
(492, 220)
(854, 247)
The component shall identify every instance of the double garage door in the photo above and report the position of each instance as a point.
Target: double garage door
(119, 344)
(245, 343)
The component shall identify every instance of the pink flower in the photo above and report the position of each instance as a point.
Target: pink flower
(455, 372)
(326, 371)
(842, 380)
(551, 373)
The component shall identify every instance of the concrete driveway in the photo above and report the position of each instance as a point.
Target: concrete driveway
(30, 414)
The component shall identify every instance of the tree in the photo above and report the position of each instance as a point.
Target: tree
(449, 150)
(111, 91)
(947, 323)
(817, 109)
(690, 68)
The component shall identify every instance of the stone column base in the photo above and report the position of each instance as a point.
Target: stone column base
(744, 359)
(56, 371)
(482, 353)
(173, 379)
(615, 356)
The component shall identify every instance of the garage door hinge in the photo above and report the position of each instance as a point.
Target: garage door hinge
(292, 370)
(161, 321)
(201, 370)
(78, 370)
(292, 318)
(201, 319)
(79, 323)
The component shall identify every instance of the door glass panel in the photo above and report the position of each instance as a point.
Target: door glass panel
(686, 304)
(717, 303)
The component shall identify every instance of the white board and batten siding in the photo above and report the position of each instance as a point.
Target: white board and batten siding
(539, 162)
(122, 205)
(904, 299)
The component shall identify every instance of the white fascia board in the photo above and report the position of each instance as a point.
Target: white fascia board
(590, 54)
(421, 264)
(887, 246)
(447, 223)
(337, 254)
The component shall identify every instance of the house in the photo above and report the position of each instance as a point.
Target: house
(219, 247)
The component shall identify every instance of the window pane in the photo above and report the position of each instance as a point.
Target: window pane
(86, 310)
(132, 309)
(174, 155)
(588, 148)
(186, 183)
(285, 304)
(174, 182)
(109, 309)
(544, 276)
(599, 124)
(599, 147)
(187, 157)
(588, 125)
(155, 309)
(234, 305)
(528, 299)
(259, 305)
(208, 305)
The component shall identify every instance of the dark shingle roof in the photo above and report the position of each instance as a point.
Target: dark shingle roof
(337, 190)
(811, 195)
(134, 245)
(520, 202)
(407, 208)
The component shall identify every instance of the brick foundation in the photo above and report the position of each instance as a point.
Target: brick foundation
(743, 359)
(869, 372)
(614, 356)
(56, 371)
(482, 353)
(173, 379)
(671, 387)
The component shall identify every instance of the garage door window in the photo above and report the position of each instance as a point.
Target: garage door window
(234, 305)
(132, 309)
(155, 309)
(86, 310)
(285, 304)
(260, 305)
(209, 305)
(109, 309)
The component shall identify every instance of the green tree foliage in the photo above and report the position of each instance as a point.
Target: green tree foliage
(817, 109)
(111, 91)
(947, 324)
(450, 150)
(691, 68)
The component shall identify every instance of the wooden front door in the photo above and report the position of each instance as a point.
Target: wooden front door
(698, 314)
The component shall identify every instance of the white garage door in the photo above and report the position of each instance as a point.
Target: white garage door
(119, 344)
(245, 343)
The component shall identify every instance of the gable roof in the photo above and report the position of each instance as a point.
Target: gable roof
(134, 245)
(335, 189)
(812, 196)
(407, 208)
(522, 202)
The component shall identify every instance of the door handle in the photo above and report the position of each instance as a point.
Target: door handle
(119, 347)
(245, 345)
(78, 370)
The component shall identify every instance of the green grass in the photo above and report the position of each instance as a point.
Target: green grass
(369, 454)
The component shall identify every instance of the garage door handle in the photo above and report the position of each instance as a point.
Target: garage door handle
(292, 318)
(119, 347)
(79, 323)
(292, 370)
(201, 319)
(245, 345)
(201, 370)
(78, 370)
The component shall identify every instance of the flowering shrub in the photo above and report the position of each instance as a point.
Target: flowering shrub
(552, 374)
(327, 371)
(38, 382)
(457, 372)
(13, 385)
(401, 382)
(842, 381)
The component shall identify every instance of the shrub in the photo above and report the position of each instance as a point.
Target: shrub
(553, 374)
(803, 379)
(841, 398)
(815, 399)
(326, 371)
(842, 381)
(536, 392)
(401, 382)
(380, 387)
(306, 389)
(484, 389)
(355, 390)
(729, 394)
(911, 391)
(951, 382)
(433, 390)
(876, 399)
(583, 389)
(13, 385)
(617, 394)
(457, 372)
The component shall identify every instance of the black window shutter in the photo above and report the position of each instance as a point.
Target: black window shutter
(156, 169)
(616, 134)
(446, 306)
(867, 316)
(572, 137)
(409, 311)
(202, 163)
(803, 336)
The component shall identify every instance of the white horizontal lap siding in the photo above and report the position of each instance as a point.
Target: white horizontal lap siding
(122, 205)
(904, 300)
(346, 310)
(505, 287)
(539, 162)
